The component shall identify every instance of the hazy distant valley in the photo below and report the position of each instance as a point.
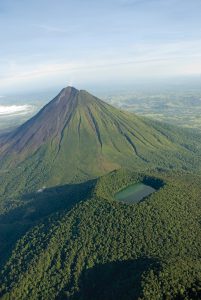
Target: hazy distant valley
(180, 107)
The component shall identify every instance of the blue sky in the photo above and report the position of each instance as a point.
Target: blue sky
(47, 43)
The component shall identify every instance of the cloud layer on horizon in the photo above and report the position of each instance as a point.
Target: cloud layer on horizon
(15, 110)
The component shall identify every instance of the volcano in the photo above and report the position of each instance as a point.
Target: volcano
(77, 136)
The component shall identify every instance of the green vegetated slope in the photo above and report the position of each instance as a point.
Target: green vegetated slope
(77, 137)
(103, 249)
(33, 208)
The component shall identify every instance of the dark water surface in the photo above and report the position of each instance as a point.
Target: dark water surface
(134, 193)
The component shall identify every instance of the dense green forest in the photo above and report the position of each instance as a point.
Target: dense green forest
(103, 249)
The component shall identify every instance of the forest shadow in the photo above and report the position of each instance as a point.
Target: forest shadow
(51, 200)
(112, 281)
(154, 182)
(37, 207)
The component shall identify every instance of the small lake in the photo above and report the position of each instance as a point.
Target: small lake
(134, 193)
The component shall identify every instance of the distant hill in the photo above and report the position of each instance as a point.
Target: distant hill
(77, 137)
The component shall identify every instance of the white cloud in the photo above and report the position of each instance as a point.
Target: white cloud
(13, 110)
(52, 29)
